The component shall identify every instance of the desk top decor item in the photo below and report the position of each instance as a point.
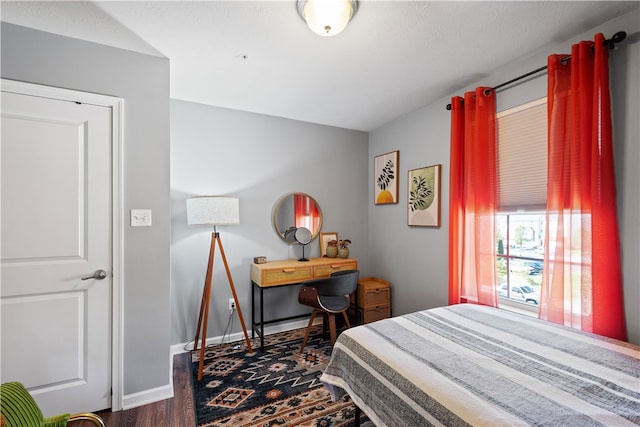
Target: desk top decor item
(301, 236)
(211, 210)
(328, 239)
(331, 250)
(343, 248)
(385, 175)
(424, 197)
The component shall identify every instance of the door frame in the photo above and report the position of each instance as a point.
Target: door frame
(117, 226)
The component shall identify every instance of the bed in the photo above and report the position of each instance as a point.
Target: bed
(468, 364)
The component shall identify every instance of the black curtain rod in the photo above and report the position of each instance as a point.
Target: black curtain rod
(617, 38)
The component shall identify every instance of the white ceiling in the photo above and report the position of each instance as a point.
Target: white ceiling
(259, 56)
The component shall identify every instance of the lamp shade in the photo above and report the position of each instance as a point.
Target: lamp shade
(213, 210)
(327, 17)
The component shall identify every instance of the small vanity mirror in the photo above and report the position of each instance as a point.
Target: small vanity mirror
(297, 210)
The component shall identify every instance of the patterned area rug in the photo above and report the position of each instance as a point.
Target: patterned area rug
(277, 387)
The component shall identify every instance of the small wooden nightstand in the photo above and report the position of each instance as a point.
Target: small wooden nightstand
(373, 302)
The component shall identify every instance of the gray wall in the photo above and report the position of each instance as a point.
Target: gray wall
(415, 260)
(143, 82)
(257, 158)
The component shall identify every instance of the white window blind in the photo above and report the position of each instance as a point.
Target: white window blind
(522, 157)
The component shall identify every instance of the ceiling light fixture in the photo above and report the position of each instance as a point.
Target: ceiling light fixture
(327, 17)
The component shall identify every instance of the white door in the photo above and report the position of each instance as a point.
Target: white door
(56, 229)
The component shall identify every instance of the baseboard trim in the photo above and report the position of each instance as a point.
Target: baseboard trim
(147, 396)
(239, 336)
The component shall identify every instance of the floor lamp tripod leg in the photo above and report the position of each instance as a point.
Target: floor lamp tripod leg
(202, 305)
(203, 319)
(235, 297)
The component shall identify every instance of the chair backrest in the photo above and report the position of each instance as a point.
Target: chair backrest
(18, 407)
(340, 283)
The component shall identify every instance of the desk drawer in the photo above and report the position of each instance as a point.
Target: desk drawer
(326, 270)
(372, 292)
(373, 314)
(370, 314)
(373, 297)
(285, 275)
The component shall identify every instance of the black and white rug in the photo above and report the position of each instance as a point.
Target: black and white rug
(277, 387)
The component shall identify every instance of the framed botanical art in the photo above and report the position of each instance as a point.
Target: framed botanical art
(424, 196)
(385, 175)
(325, 238)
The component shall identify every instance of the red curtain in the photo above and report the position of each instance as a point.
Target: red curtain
(582, 281)
(473, 199)
(305, 212)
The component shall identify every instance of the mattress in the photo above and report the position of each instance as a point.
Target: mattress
(468, 364)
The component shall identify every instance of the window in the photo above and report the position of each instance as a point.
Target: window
(520, 252)
(522, 190)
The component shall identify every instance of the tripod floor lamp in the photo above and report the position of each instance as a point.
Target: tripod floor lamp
(213, 211)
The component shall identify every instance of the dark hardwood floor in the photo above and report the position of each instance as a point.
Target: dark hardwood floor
(176, 412)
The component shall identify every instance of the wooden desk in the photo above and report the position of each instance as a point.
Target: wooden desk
(286, 273)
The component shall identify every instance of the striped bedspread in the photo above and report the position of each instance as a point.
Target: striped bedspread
(474, 365)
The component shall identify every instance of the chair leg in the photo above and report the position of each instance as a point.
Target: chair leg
(346, 319)
(325, 324)
(308, 331)
(332, 328)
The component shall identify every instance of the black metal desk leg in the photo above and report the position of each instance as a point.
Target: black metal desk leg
(356, 421)
(261, 319)
(253, 310)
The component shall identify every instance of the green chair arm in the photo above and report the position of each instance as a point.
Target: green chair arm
(93, 418)
(56, 420)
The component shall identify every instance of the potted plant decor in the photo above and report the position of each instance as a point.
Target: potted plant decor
(343, 248)
(332, 248)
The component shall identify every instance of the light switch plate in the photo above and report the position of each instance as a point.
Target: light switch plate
(141, 217)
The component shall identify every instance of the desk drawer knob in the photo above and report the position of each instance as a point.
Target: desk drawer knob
(288, 270)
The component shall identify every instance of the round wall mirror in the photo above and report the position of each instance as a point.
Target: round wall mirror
(297, 210)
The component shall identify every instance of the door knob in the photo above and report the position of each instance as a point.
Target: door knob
(98, 275)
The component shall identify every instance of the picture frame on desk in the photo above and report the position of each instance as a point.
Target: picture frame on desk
(325, 238)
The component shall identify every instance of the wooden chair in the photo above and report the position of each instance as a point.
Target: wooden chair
(18, 409)
(329, 296)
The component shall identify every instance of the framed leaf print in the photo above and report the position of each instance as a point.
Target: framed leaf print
(385, 175)
(424, 197)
